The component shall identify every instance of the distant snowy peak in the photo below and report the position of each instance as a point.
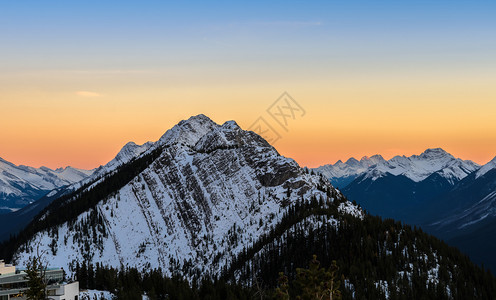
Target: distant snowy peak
(486, 168)
(39, 178)
(419, 167)
(415, 167)
(435, 154)
(373, 160)
(71, 174)
(352, 167)
(21, 185)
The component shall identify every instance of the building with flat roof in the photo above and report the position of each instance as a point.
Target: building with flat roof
(13, 284)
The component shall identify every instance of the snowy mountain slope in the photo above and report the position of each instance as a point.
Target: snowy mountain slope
(415, 167)
(466, 216)
(396, 196)
(11, 223)
(211, 192)
(486, 168)
(21, 185)
(127, 153)
(470, 203)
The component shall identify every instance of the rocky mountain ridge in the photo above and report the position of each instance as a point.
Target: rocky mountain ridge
(211, 192)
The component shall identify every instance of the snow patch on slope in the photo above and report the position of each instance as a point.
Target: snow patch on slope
(96, 295)
(486, 168)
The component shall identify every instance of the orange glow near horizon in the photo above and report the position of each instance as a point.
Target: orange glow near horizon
(346, 118)
(82, 119)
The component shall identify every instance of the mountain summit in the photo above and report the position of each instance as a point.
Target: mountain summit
(192, 201)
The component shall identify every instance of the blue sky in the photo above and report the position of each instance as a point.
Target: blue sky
(389, 67)
(117, 30)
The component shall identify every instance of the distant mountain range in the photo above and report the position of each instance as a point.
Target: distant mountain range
(22, 185)
(415, 168)
(452, 198)
(17, 217)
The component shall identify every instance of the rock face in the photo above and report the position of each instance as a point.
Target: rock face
(213, 191)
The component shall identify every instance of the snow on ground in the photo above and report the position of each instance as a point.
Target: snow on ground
(95, 295)
(384, 287)
(349, 208)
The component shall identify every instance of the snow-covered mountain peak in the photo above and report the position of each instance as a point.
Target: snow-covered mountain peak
(133, 149)
(377, 157)
(47, 169)
(198, 204)
(231, 125)
(352, 161)
(373, 160)
(229, 135)
(199, 119)
(419, 167)
(398, 159)
(486, 168)
(436, 154)
(127, 153)
(188, 132)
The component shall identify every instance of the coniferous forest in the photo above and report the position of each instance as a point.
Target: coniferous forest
(373, 259)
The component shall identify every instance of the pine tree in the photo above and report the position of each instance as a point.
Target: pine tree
(281, 292)
(35, 274)
(318, 283)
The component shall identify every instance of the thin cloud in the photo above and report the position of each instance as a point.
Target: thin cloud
(297, 24)
(88, 94)
(290, 23)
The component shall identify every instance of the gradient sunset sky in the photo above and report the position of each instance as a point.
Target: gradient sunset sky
(80, 79)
